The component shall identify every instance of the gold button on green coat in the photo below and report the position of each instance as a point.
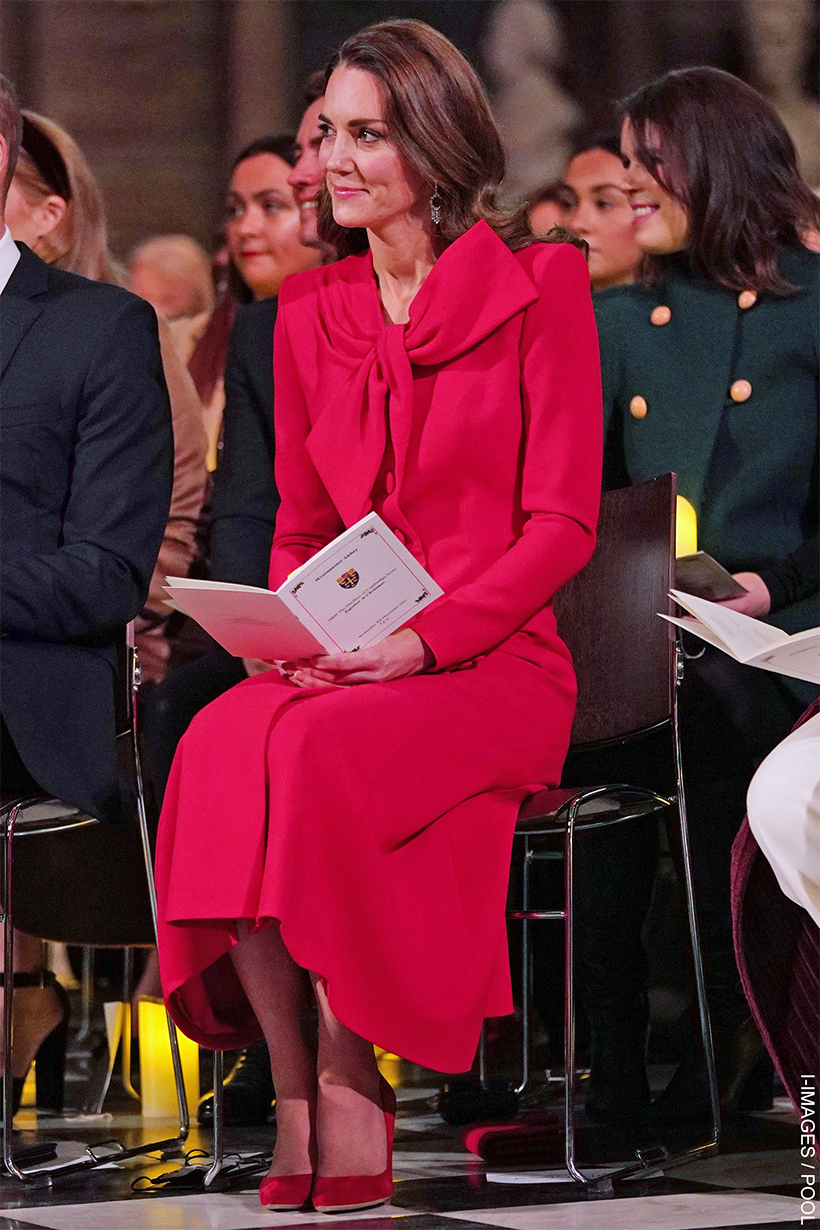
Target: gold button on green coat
(747, 299)
(661, 315)
(741, 390)
(638, 407)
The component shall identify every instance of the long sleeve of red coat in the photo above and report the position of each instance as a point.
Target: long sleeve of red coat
(561, 481)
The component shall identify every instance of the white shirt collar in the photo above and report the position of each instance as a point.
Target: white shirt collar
(9, 256)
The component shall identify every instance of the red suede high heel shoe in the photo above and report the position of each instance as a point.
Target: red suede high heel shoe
(347, 1193)
(285, 1193)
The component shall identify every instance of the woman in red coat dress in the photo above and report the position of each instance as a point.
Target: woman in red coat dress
(446, 375)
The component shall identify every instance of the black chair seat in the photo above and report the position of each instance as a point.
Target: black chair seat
(548, 810)
(41, 814)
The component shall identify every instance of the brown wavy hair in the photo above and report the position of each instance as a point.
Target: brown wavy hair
(726, 157)
(439, 119)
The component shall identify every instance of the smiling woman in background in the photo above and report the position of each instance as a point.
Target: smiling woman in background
(710, 369)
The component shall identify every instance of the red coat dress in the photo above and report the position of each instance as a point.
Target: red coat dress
(375, 822)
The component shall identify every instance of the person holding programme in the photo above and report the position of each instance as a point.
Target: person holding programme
(350, 817)
(710, 369)
(85, 482)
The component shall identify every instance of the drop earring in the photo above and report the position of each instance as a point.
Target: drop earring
(436, 203)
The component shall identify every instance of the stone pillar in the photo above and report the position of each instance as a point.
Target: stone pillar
(262, 69)
(535, 116)
(140, 86)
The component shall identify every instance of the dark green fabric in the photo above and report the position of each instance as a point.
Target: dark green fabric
(749, 468)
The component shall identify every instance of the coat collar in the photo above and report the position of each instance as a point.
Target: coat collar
(474, 288)
(18, 311)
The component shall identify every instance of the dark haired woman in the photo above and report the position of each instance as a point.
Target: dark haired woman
(262, 239)
(710, 370)
(352, 816)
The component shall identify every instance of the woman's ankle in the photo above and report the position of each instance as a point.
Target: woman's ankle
(295, 1149)
(350, 1131)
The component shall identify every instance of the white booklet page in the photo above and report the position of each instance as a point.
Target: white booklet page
(355, 591)
(750, 641)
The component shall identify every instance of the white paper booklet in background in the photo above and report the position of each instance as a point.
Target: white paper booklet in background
(748, 640)
(356, 590)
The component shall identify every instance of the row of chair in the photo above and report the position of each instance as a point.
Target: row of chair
(628, 667)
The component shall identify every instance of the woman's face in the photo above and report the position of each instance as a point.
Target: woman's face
(599, 210)
(368, 182)
(661, 224)
(262, 227)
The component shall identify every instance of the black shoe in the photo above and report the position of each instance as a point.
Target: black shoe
(247, 1090)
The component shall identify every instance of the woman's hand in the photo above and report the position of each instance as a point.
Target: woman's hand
(757, 602)
(401, 654)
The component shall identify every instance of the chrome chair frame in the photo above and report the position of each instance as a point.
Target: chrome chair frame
(628, 671)
(60, 817)
(641, 803)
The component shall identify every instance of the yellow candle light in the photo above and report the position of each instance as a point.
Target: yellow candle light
(686, 528)
(390, 1066)
(157, 1089)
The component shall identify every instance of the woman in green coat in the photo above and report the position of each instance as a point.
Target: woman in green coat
(710, 367)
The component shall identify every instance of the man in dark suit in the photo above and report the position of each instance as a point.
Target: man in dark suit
(85, 481)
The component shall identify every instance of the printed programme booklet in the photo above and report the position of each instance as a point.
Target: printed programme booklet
(748, 640)
(355, 591)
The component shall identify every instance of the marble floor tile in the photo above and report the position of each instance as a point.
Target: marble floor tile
(214, 1211)
(434, 1165)
(470, 1193)
(776, 1168)
(684, 1211)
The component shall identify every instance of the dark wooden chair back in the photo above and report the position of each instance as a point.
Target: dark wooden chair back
(608, 616)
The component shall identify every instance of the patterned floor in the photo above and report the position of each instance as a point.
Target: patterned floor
(755, 1183)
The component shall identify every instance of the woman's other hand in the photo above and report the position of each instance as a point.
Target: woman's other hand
(401, 654)
(757, 602)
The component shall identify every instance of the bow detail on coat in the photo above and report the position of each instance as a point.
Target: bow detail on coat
(448, 317)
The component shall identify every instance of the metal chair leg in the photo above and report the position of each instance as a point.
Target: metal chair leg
(8, 995)
(86, 993)
(694, 932)
(526, 971)
(219, 1119)
(569, 1008)
(179, 1080)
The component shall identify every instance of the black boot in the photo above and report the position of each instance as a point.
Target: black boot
(247, 1090)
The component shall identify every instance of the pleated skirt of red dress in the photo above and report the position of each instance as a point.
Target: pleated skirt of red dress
(375, 824)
